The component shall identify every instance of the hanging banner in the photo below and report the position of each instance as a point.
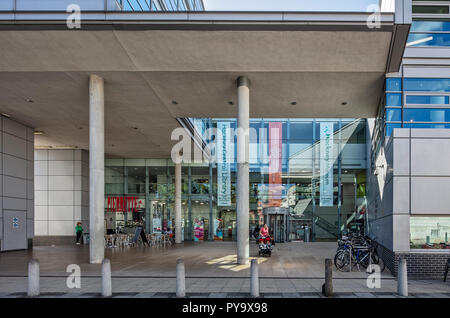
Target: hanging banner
(275, 164)
(223, 164)
(326, 164)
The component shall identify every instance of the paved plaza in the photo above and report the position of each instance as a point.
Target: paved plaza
(294, 270)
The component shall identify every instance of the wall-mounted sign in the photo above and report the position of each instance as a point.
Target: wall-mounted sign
(223, 151)
(326, 164)
(124, 204)
(15, 223)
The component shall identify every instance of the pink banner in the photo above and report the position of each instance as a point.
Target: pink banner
(275, 163)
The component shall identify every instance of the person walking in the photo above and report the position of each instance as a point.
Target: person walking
(79, 231)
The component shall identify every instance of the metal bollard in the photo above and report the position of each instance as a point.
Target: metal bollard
(106, 278)
(328, 286)
(254, 278)
(33, 278)
(402, 278)
(181, 279)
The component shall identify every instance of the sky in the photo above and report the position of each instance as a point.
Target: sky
(288, 5)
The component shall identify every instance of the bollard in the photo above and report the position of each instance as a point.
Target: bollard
(254, 278)
(328, 286)
(106, 278)
(402, 278)
(33, 278)
(181, 281)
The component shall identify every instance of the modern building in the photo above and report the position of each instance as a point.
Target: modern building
(407, 189)
(338, 107)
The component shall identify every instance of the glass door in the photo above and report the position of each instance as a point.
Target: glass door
(277, 227)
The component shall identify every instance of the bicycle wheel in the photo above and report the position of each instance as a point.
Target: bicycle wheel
(342, 260)
(376, 259)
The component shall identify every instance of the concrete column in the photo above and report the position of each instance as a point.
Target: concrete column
(178, 203)
(96, 169)
(242, 182)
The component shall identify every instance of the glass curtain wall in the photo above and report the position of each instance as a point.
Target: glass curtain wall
(286, 170)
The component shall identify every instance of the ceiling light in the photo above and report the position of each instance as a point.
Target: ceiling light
(38, 132)
(6, 115)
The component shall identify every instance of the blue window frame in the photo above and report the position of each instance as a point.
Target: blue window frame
(393, 114)
(428, 39)
(430, 26)
(426, 115)
(430, 100)
(394, 84)
(393, 99)
(427, 84)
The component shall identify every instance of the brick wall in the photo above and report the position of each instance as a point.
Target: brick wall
(420, 265)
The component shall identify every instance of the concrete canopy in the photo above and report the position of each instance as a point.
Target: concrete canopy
(155, 73)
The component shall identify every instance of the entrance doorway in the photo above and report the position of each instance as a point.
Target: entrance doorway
(229, 224)
(277, 220)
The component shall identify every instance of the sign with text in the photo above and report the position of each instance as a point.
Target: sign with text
(124, 204)
(326, 164)
(223, 150)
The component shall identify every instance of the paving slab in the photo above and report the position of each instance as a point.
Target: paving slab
(365, 295)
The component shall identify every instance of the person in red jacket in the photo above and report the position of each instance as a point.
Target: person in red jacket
(264, 232)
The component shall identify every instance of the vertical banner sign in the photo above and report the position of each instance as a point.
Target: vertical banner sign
(326, 164)
(275, 164)
(223, 164)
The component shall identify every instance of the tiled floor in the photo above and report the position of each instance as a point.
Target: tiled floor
(295, 269)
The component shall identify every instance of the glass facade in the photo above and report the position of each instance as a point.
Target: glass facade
(209, 213)
(429, 33)
(416, 103)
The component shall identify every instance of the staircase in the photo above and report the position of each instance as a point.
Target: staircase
(323, 224)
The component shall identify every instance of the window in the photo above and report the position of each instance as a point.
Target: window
(422, 99)
(427, 84)
(429, 232)
(393, 114)
(429, 33)
(427, 115)
(394, 84)
(393, 99)
(301, 131)
(390, 127)
(430, 26)
(430, 9)
(428, 39)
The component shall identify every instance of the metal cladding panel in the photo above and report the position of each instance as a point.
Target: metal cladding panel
(14, 230)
